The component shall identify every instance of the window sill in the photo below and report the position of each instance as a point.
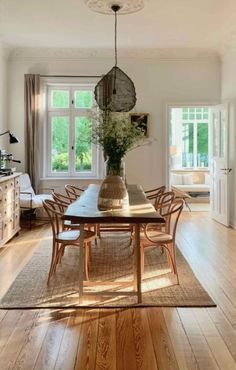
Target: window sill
(191, 169)
(70, 178)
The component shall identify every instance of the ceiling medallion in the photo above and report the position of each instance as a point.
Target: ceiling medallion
(105, 6)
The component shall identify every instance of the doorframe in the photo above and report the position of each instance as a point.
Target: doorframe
(166, 120)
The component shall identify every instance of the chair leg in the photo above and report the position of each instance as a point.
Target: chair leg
(142, 260)
(86, 260)
(54, 253)
(98, 230)
(171, 250)
(168, 257)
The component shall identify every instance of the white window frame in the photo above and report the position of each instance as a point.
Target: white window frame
(72, 112)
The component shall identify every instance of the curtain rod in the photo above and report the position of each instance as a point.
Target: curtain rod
(70, 76)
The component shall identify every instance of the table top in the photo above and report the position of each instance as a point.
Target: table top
(140, 210)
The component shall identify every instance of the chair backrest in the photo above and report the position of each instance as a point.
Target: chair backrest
(55, 214)
(73, 192)
(164, 201)
(155, 194)
(62, 200)
(25, 184)
(151, 194)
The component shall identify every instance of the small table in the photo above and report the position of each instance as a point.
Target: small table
(182, 195)
(140, 211)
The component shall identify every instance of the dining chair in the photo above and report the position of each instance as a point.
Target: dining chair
(63, 238)
(73, 192)
(63, 202)
(154, 194)
(151, 238)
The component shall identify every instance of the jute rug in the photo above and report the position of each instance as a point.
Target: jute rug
(111, 261)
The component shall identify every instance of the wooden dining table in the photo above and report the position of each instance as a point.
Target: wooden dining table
(139, 211)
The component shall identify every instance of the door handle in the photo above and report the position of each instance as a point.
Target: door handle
(226, 169)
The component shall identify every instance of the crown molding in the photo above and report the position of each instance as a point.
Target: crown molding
(72, 54)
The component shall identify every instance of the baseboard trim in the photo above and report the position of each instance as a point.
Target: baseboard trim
(233, 225)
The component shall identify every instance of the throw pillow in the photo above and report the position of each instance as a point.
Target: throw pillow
(188, 179)
(207, 179)
(176, 179)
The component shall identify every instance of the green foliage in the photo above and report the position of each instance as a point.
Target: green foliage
(83, 99)
(60, 99)
(60, 144)
(116, 135)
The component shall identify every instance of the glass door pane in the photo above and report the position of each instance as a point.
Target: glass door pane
(59, 144)
(187, 145)
(83, 144)
(202, 145)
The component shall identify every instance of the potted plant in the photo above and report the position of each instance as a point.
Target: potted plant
(115, 133)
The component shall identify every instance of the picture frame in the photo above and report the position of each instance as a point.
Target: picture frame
(142, 120)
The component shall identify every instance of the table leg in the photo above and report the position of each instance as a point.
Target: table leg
(81, 263)
(137, 251)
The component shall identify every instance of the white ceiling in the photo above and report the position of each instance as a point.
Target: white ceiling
(161, 24)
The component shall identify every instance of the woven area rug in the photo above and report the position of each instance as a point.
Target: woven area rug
(111, 261)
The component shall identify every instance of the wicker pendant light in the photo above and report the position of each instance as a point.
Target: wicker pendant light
(115, 91)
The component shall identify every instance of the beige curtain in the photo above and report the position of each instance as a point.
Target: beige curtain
(32, 102)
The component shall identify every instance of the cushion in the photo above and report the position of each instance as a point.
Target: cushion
(187, 179)
(37, 200)
(176, 179)
(25, 182)
(207, 179)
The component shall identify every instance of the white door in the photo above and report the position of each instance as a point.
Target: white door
(219, 165)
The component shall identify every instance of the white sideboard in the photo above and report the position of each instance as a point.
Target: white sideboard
(9, 207)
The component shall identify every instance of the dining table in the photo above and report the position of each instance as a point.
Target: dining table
(138, 211)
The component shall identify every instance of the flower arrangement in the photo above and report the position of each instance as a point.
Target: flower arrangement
(116, 135)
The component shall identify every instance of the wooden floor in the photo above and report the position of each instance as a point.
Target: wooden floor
(127, 339)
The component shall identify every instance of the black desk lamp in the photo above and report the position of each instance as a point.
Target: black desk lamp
(12, 138)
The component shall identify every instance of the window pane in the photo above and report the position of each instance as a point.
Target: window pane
(60, 99)
(205, 116)
(185, 116)
(191, 116)
(83, 144)
(83, 99)
(192, 110)
(187, 145)
(185, 110)
(199, 110)
(202, 145)
(198, 116)
(60, 144)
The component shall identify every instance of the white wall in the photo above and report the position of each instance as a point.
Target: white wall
(3, 96)
(229, 95)
(157, 81)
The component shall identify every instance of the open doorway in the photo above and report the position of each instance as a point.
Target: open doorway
(189, 157)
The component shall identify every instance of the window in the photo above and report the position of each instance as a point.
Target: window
(70, 151)
(189, 135)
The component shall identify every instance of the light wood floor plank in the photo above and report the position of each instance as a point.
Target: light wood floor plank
(106, 340)
(183, 352)
(48, 354)
(29, 353)
(125, 341)
(144, 348)
(87, 348)
(161, 340)
(197, 340)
